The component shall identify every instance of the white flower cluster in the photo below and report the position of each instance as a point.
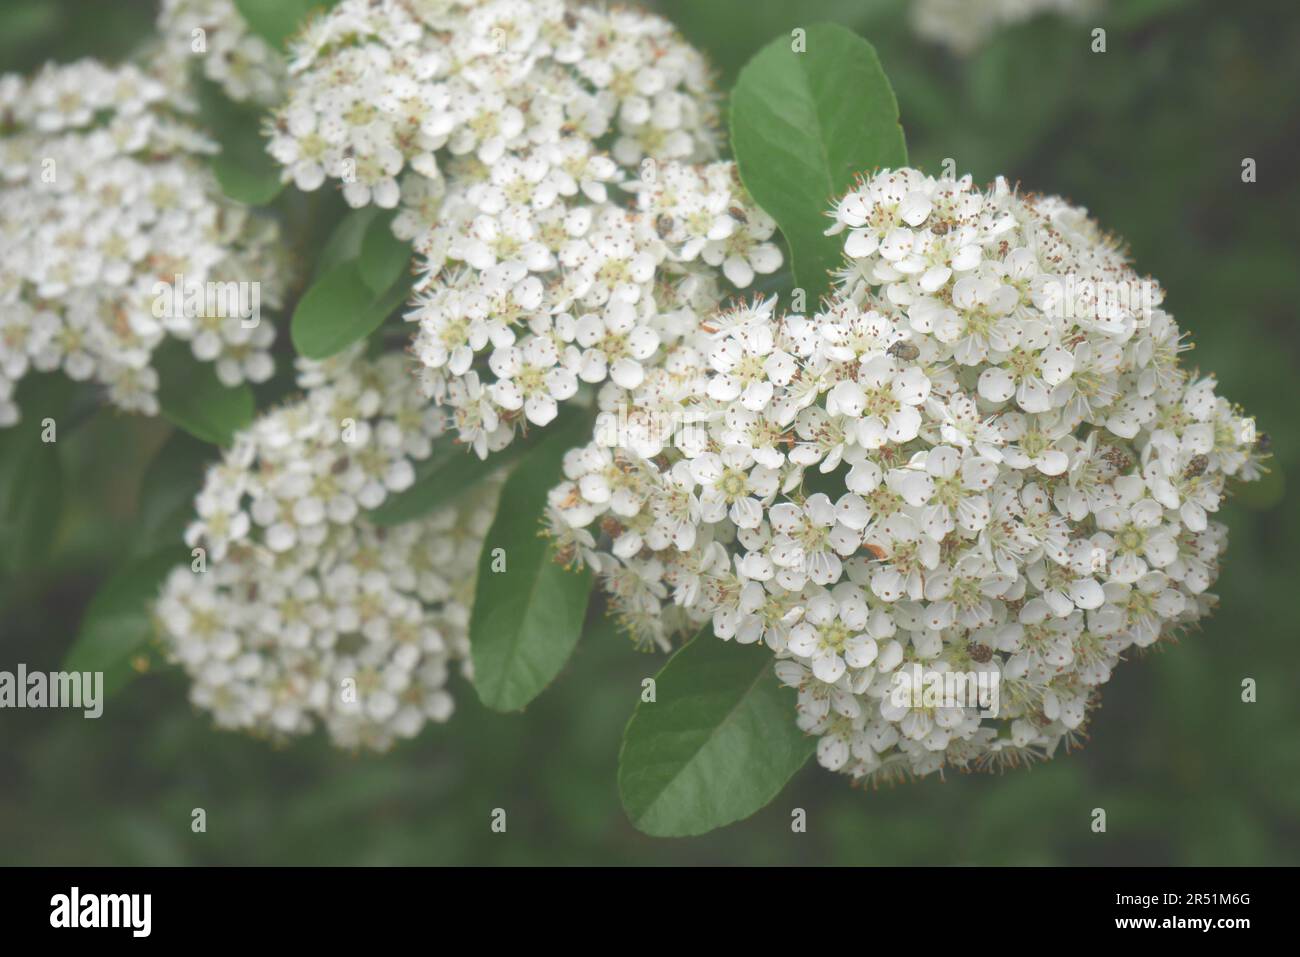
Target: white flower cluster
(302, 611)
(486, 121)
(963, 25)
(107, 199)
(215, 33)
(981, 455)
(379, 86)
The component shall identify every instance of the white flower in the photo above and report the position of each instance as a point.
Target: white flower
(614, 344)
(834, 633)
(1002, 492)
(528, 377)
(480, 121)
(307, 613)
(120, 238)
(732, 483)
(745, 250)
(807, 541)
(884, 400)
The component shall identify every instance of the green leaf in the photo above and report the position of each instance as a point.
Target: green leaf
(167, 489)
(344, 243)
(246, 171)
(454, 469)
(277, 20)
(717, 744)
(528, 615)
(247, 176)
(192, 397)
(333, 313)
(339, 309)
(31, 472)
(802, 126)
(117, 624)
(383, 257)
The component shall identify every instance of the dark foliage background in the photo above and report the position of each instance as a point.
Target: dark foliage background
(1150, 136)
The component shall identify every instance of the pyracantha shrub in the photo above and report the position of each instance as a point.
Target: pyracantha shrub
(549, 162)
(300, 610)
(108, 200)
(963, 25)
(981, 454)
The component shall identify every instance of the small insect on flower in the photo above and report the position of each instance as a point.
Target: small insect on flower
(1197, 466)
(1117, 459)
(904, 350)
(980, 653)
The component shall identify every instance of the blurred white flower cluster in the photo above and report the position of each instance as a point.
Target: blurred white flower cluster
(215, 33)
(981, 455)
(508, 131)
(963, 25)
(107, 202)
(301, 610)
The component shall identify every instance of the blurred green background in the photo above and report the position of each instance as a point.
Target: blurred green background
(1150, 136)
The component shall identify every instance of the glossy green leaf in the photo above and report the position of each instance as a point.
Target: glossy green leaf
(345, 239)
(245, 170)
(383, 258)
(248, 176)
(803, 125)
(339, 309)
(718, 743)
(192, 397)
(528, 610)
